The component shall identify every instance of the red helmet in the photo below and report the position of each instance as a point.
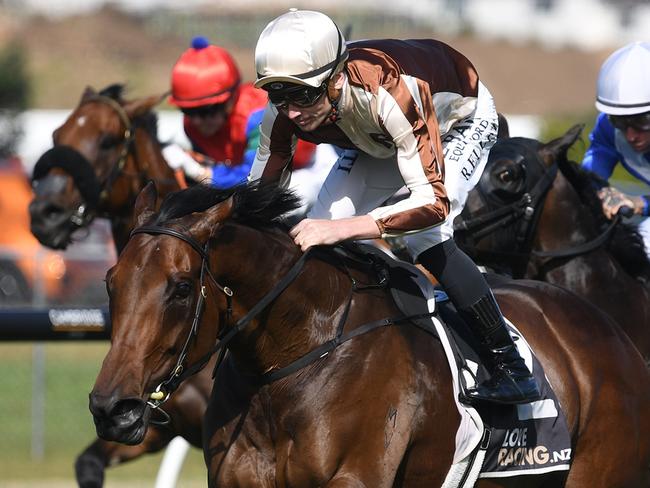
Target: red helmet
(204, 75)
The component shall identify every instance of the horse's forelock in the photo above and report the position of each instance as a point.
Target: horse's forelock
(196, 198)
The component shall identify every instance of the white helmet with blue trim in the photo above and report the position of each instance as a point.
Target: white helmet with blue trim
(623, 86)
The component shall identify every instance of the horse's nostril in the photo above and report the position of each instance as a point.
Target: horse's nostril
(127, 407)
(43, 211)
(52, 211)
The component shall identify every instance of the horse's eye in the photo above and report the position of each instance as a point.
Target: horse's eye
(505, 176)
(182, 289)
(108, 142)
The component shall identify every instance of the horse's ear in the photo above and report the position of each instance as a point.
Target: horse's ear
(551, 150)
(504, 129)
(211, 218)
(141, 106)
(88, 92)
(145, 204)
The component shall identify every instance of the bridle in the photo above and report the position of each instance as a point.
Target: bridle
(128, 138)
(521, 216)
(93, 191)
(80, 218)
(524, 215)
(180, 371)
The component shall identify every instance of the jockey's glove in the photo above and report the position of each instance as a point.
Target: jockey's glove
(177, 158)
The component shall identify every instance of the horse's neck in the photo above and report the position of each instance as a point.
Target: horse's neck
(121, 227)
(566, 223)
(303, 316)
(597, 275)
(151, 164)
(145, 163)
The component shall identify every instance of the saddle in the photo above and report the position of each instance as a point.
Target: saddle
(503, 440)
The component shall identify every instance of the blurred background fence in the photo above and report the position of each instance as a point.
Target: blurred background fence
(58, 297)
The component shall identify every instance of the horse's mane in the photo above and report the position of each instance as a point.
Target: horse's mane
(255, 204)
(626, 244)
(149, 120)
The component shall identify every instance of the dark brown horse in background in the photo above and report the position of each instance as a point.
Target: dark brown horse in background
(376, 411)
(535, 214)
(103, 155)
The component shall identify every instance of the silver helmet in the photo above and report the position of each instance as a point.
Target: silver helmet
(299, 47)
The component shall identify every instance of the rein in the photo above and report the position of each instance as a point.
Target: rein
(180, 372)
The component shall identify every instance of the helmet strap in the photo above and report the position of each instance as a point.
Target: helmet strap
(334, 96)
(334, 114)
(333, 93)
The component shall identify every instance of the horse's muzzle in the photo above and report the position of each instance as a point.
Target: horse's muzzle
(121, 420)
(50, 224)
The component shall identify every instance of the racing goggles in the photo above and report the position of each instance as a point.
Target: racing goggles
(640, 122)
(299, 95)
(204, 111)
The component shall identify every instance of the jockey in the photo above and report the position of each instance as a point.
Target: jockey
(622, 130)
(406, 112)
(221, 117)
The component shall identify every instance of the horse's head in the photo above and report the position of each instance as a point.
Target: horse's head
(170, 298)
(83, 173)
(501, 212)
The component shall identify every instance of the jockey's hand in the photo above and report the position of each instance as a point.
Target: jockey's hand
(613, 199)
(316, 232)
(178, 158)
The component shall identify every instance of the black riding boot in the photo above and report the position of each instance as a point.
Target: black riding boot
(510, 381)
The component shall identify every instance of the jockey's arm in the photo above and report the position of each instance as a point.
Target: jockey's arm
(420, 162)
(601, 157)
(178, 158)
(272, 160)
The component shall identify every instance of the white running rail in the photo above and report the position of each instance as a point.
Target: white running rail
(172, 462)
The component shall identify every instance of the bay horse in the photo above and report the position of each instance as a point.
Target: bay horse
(536, 214)
(215, 267)
(103, 155)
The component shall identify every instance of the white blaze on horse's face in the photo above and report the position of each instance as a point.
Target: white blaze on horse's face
(81, 121)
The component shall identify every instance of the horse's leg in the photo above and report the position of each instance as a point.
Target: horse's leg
(92, 462)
